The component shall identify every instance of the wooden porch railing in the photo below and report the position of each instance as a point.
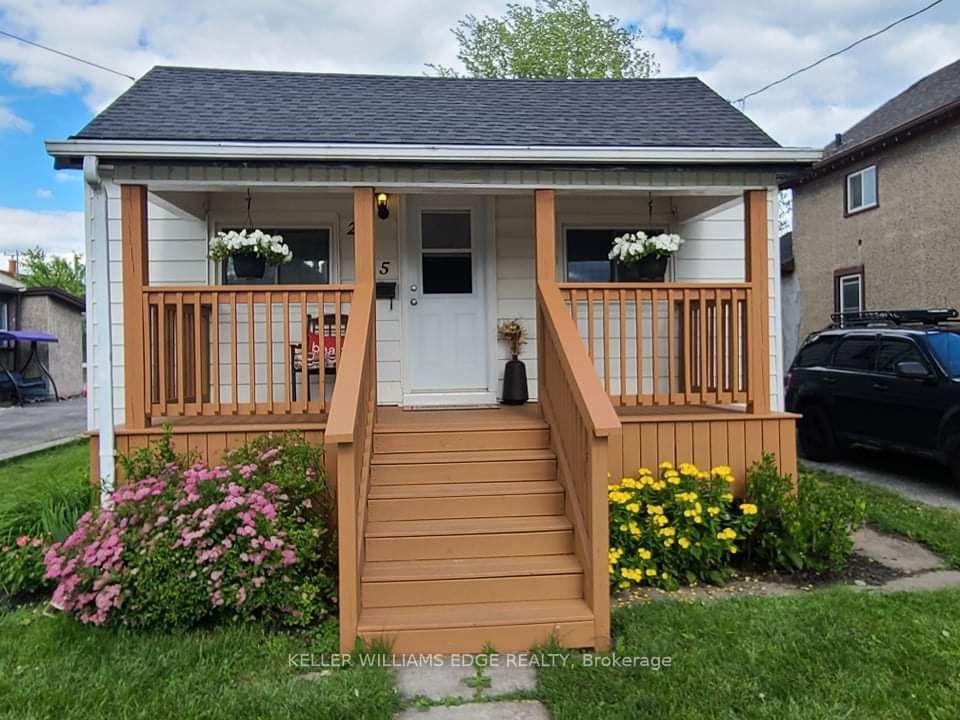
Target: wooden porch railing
(582, 422)
(666, 343)
(230, 350)
(349, 449)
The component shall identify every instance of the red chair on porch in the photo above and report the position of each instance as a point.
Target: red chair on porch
(318, 347)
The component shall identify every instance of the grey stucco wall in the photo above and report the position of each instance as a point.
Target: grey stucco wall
(64, 359)
(909, 245)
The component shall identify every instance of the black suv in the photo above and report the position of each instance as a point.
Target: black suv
(889, 379)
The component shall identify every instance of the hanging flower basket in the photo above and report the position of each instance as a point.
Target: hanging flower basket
(643, 258)
(250, 252)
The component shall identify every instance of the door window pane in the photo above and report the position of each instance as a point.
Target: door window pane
(445, 230)
(447, 273)
(856, 354)
(894, 351)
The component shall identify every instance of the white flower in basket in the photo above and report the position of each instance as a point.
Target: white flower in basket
(271, 248)
(632, 247)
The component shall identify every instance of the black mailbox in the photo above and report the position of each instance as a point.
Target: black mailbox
(387, 291)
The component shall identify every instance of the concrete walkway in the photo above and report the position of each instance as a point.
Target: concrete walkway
(921, 569)
(447, 690)
(38, 426)
(916, 478)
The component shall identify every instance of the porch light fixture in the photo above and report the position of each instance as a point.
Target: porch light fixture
(383, 212)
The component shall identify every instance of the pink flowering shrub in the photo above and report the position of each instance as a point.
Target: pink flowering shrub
(21, 565)
(190, 545)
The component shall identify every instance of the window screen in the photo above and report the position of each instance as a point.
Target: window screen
(446, 250)
(310, 264)
(856, 353)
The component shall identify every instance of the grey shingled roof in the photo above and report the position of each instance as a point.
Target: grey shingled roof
(935, 91)
(179, 103)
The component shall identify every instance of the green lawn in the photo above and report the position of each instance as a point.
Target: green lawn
(937, 528)
(828, 654)
(52, 667)
(45, 491)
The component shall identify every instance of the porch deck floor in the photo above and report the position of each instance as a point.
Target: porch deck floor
(513, 417)
(247, 422)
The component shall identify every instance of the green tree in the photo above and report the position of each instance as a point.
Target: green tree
(550, 39)
(41, 271)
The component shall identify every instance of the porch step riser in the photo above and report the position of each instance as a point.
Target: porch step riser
(558, 542)
(452, 592)
(505, 638)
(458, 440)
(423, 473)
(465, 507)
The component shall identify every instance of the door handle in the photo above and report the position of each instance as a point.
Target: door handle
(829, 380)
(881, 386)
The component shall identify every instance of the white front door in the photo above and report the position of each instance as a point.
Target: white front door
(445, 335)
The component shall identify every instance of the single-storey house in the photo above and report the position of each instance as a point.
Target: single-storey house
(421, 212)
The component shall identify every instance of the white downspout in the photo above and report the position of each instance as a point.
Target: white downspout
(99, 241)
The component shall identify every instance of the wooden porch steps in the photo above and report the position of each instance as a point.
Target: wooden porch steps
(467, 540)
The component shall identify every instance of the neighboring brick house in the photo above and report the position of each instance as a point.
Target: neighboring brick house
(875, 222)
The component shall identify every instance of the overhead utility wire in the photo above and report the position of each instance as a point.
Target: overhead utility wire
(67, 55)
(852, 45)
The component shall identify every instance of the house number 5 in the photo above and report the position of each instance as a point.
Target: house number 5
(384, 268)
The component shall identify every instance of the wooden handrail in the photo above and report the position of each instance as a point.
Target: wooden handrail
(591, 397)
(652, 285)
(249, 288)
(345, 403)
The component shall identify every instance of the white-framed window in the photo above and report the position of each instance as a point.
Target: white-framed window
(861, 193)
(314, 253)
(850, 292)
(586, 253)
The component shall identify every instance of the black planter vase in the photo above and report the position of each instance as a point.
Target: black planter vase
(515, 383)
(650, 268)
(249, 266)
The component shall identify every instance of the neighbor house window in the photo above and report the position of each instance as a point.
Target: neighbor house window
(862, 190)
(848, 291)
(311, 264)
(588, 253)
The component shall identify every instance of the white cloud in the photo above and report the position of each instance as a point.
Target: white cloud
(67, 176)
(736, 46)
(57, 232)
(9, 120)
(43, 193)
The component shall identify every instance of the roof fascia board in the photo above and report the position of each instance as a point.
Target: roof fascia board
(122, 149)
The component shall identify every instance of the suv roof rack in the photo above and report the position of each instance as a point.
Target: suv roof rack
(886, 318)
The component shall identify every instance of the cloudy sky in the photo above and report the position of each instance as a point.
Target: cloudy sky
(736, 46)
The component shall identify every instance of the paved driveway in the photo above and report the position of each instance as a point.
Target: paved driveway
(28, 428)
(921, 480)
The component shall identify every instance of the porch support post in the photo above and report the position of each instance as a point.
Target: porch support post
(133, 229)
(756, 234)
(545, 251)
(545, 218)
(363, 235)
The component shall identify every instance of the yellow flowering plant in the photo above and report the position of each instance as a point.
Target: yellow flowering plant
(678, 527)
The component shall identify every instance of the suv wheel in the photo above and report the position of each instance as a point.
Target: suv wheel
(818, 441)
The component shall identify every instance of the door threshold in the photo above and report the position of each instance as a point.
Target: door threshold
(470, 406)
(454, 400)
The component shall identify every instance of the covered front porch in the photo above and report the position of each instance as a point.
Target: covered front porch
(394, 299)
